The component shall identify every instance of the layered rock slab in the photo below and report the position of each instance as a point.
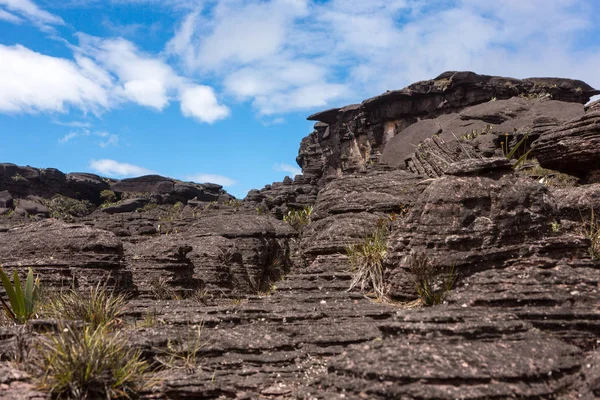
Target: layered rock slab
(573, 148)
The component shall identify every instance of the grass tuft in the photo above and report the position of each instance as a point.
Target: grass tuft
(98, 306)
(93, 363)
(298, 218)
(366, 260)
(183, 352)
(431, 284)
(591, 230)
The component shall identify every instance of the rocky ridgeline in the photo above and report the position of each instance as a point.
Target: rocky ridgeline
(427, 163)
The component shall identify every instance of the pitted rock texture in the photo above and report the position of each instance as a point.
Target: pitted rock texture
(66, 254)
(478, 222)
(573, 148)
(349, 138)
(272, 305)
(281, 197)
(350, 208)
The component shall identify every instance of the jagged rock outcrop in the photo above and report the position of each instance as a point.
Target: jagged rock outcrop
(280, 197)
(356, 135)
(486, 130)
(278, 321)
(66, 254)
(350, 208)
(573, 148)
(479, 216)
(21, 182)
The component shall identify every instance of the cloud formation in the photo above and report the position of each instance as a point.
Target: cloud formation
(211, 178)
(104, 74)
(33, 82)
(290, 55)
(29, 10)
(290, 169)
(118, 169)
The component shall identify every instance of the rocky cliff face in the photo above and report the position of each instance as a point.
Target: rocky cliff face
(350, 138)
(426, 167)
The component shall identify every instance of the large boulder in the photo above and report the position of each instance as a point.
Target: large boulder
(221, 252)
(480, 216)
(6, 200)
(573, 148)
(25, 181)
(86, 186)
(355, 136)
(65, 254)
(485, 125)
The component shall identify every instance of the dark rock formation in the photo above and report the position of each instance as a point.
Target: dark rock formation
(573, 148)
(485, 126)
(6, 200)
(357, 135)
(278, 322)
(46, 183)
(126, 206)
(65, 254)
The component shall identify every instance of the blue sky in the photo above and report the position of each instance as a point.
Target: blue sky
(219, 90)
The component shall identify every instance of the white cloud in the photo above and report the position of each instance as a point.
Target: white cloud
(104, 74)
(107, 139)
(6, 16)
(201, 103)
(33, 82)
(260, 52)
(110, 139)
(285, 55)
(144, 80)
(118, 169)
(150, 81)
(32, 12)
(73, 124)
(292, 170)
(68, 137)
(211, 178)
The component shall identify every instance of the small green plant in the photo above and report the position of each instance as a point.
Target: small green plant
(298, 218)
(108, 196)
(475, 133)
(548, 177)
(22, 299)
(162, 290)
(67, 209)
(234, 203)
(200, 296)
(98, 307)
(18, 178)
(510, 153)
(591, 230)
(430, 284)
(366, 260)
(150, 319)
(92, 363)
(183, 352)
(555, 226)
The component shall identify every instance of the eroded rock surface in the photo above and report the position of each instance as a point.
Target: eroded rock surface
(272, 304)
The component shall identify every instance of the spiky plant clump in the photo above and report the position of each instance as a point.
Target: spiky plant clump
(430, 283)
(22, 299)
(366, 260)
(183, 352)
(161, 289)
(298, 218)
(591, 230)
(97, 306)
(93, 363)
